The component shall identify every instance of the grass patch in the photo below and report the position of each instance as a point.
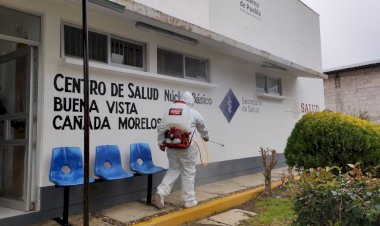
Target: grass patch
(274, 210)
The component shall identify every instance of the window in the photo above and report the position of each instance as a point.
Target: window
(73, 40)
(127, 53)
(169, 63)
(196, 68)
(181, 65)
(123, 52)
(19, 24)
(268, 84)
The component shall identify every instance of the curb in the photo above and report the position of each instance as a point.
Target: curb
(205, 209)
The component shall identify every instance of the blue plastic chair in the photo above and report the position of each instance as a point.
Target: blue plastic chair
(108, 163)
(66, 169)
(141, 151)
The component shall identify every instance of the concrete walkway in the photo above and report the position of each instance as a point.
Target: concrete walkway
(213, 198)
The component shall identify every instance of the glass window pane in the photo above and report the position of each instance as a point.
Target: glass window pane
(260, 84)
(196, 68)
(2, 130)
(274, 86)
(18, 129)
(127, 53)
(13, 80)
(12, 165)
(73, 41)
(97, 46)
(3, 110)
(169, 63)
(74, 44)
(20, 24)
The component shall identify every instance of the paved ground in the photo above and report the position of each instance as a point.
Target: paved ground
(230, 218)
(133, 212)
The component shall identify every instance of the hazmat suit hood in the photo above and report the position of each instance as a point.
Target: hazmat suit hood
(188, 98)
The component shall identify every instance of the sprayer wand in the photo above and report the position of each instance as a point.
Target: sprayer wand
(216, 143)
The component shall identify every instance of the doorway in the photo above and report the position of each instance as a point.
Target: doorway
(20, 36)
(16, 68)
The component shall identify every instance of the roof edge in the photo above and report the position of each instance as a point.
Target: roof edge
(162, 17)
(353, 67)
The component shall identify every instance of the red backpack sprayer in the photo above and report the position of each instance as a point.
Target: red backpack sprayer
(177, 127)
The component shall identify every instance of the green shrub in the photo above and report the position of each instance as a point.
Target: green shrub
(344, 199)
(329, 138)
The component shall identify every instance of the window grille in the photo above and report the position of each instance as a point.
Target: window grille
(268, 84)
(127, 53)
(169, 63)
(181, 65)
(196, 68)
(73, 40)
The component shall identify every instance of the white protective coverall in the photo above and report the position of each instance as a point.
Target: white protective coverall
(182, 161)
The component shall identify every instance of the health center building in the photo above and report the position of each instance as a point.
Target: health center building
(253, 66)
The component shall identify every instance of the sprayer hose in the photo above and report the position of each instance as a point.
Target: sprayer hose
(200, 153)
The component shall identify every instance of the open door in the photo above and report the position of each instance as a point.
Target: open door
(16, 68)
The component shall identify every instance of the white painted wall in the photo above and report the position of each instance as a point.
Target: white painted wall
(286, 28)
(242, 137)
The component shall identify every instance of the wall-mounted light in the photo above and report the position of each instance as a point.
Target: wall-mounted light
(109, 5)
(166, 33)
(273, 66)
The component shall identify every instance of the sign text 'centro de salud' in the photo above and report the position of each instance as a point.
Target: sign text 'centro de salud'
(119, 100)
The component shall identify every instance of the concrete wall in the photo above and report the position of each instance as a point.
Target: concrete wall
(194, 11)
(268, 122)
(287, 28)
(354, 92)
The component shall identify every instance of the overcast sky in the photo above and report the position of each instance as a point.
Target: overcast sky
(350, 31)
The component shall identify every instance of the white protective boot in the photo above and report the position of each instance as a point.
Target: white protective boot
(159, 201)
(189, 204)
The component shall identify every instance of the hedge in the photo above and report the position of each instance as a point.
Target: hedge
(333, 139)
(326, 198)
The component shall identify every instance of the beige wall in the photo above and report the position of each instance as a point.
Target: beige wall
(354, 91)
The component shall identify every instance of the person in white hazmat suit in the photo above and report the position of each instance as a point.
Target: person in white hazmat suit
(182, 162)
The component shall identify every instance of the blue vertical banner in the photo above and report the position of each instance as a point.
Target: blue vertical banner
(229, 105)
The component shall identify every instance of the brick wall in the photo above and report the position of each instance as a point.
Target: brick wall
(354, 91)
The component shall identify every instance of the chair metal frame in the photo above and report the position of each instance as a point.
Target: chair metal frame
(143, 148)
(63, 156)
